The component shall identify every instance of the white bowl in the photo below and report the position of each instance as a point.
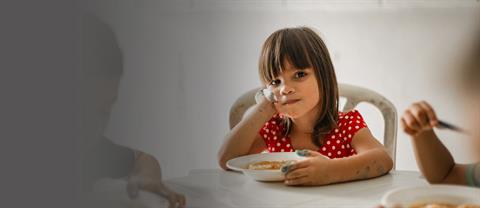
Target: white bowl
(451, 194)
(241, 164)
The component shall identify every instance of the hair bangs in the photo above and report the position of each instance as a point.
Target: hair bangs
(283, 45)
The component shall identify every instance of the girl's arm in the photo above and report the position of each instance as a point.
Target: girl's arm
(433, 158)
(370, 161)
(244, 138)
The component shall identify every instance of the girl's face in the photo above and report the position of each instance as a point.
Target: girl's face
(296, 91)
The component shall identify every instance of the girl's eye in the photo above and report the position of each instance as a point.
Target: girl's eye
(275, 82)
(300, 74)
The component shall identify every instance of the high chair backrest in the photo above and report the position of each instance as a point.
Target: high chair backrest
(353, 95)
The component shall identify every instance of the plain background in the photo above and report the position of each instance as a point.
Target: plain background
(185, 63)
(38, 130)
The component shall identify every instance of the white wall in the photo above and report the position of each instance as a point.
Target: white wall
(186, 62)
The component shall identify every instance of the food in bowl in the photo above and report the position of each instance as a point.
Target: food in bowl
(431, 196)
(442, 205)
(269, 165)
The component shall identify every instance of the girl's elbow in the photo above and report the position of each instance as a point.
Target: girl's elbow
(222, 160)
(223, 164)
(388, 164)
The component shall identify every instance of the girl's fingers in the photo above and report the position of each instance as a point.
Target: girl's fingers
(432, 116)
(307, 153)
(294, 166)
(297, 181)
(269, 94)
(296, 174)
(410, 121)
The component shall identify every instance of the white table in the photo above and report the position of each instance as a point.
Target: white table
(218, 188)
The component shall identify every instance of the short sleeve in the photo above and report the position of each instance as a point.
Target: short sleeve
(272, 135)
(350, 123)
(271, 128)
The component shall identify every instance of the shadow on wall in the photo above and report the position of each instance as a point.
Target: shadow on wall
(111, 174)
(98, 81)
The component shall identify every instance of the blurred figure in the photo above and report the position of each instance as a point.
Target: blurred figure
(99, 79)
(433, 158)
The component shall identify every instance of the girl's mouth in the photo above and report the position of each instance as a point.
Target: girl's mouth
(291, 101)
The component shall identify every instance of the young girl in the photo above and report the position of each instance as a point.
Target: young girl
(433, 158)
(295, 66)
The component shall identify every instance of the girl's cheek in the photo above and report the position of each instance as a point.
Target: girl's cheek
(278, 108)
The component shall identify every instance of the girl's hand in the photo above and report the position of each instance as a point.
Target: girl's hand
(272, 97)
(264, 104)
(265, 94)
(419, 117)
(308, 172)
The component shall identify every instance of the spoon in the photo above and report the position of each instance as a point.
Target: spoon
(268, 93)
(445, 125)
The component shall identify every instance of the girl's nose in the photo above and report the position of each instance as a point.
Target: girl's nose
(286, 89)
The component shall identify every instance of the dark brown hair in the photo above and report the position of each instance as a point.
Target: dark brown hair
(303, 48)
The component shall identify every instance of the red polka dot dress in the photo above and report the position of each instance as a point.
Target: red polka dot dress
(337, 143)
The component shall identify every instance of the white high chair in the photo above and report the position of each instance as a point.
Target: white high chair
(353, 95)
